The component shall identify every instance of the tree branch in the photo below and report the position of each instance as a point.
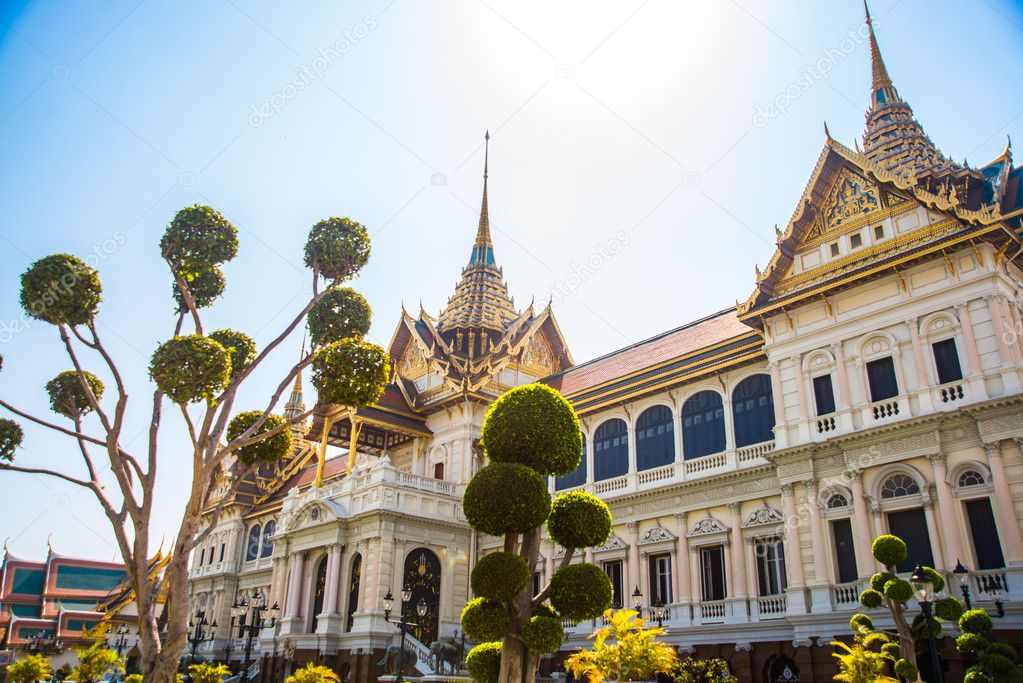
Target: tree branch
(51, 473)
(214, 515)
(565, 561)
(187, 296)
(51, 425)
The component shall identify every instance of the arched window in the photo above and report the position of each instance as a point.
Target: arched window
(899, 485)
(252, 547)
(576, 477)
(753, 411)
(837, 501)
(610, 450)
(269, 529)
(971, 478)
(422, 577)
(353, 591)
(319, 587)
(655, 438)
(703, 425)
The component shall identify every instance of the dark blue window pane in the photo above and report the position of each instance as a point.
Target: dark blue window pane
(946, 358)
(824, 394)
(881, 378)
(703, 420)
(655, 438)
(611, 450)
(753, 411)
(576, 478)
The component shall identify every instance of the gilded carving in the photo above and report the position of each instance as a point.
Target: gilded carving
(413, 362)
(538, 355)
(850, 197)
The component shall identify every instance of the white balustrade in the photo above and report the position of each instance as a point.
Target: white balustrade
(756, 452)
(611, 485)
(952, 393)
(771, 607)
(712, 611)
(706, 463)
(655, 475)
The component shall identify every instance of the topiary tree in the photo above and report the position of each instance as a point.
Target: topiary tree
(201, 374)
(30, 669)
(529, 433)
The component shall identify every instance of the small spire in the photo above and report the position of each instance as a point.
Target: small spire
(296, 403)
(882, 90)
(827, 133)
(483, 247)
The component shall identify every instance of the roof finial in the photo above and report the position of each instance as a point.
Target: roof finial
(483, 247)
(882, 90)
(827, 133)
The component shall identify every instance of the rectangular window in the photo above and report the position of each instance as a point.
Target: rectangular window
(879, 232)
(770, 565)
(438, 470)
(834, 249)
(856, 240)
(660, 579)
(614, 572)
(881, 378)
(824, 394)
(221, 553)
(985, 534)
(911, 527)
(946, 359)
(712, 571)
(536, 583)
(845, 550)
(202, 556)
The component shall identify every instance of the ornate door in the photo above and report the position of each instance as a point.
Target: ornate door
(422, 575)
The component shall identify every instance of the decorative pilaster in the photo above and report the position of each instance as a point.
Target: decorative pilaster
(953, 539)
(862, 537)
(634, 568)
(682, 563)
(1005, 510)
(843, 377)
(740, 589)
(932, 530)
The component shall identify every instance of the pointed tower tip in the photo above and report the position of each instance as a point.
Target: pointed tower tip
(882, 90)
(483, 247)
(827, 133)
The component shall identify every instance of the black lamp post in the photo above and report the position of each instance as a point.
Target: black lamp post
(963, 575)
(248, 617)
(924, 590)
(403, 623)
(637, 599)
(228, 648)
(199, 635)
(993, 586)
(122, 638)
(658, 611)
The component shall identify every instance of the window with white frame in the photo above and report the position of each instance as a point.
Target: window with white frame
(660, 579)
(712, 572)
(770, 559)
(614, 571)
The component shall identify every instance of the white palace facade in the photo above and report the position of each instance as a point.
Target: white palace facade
(871, 383)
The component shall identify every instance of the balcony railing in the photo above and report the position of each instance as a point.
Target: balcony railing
(753, 453)
(952, 393)
(771, 607)
(885, 410)
(712, 611)
(706, 463)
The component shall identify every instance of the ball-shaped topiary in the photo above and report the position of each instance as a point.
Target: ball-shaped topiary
(484, 619)
(971, 643)
(484, 662)
(533, 425)
(976, 674)
(544, 610)
(919, 627)
(861, 622)
(503, 497)
(68, 397)
(1003, 649)
(340, 314)
(871, 599)
(500, 576)
(889, 550)
(905, 668)
(239, 346)
(543, 635)
(190, 368)
(205, 285)
(581, 591)
(197, 236)
(891, 650)
(337, 248)
(878, 580)
(11, 436)
(898, 590)
(975, 621)
(351, 372)
(935, 578)
(949, 609)
(579, 520)
(997, 665)
(270, 449)
(61, 289)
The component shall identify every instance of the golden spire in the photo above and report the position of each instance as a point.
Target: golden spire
(878, 71)
(483, 248)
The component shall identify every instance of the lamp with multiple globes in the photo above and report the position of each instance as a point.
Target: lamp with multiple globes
(923, 589)
(249, 617)
(403, 623)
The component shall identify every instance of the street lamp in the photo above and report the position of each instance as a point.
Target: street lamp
(659, 613)
(637, 599)
(923, 588)
(122, 638)
(403, 623)
(248, 617)
(963, 576)
(199, 634)
(228, 647)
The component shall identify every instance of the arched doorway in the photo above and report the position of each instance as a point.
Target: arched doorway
(319, 587)
(781, 669)
(353, 591)
(422, 576)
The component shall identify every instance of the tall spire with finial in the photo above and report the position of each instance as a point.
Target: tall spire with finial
(296, 405)
(882, 90)
(483, 247)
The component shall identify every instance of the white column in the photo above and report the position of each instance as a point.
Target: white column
(924, 376)
(631, 431)
(862, 538)
(729, 421)
(843, 378)
(998, 322)
(793, 549)
(738, 564)
(333, 577)
(683, 560)
(778, 401)
(821, 565)
(900, 370)
(695, 574)
(1005, 509)
(293, 608)
(634, 568)
(970, 341)
(932, 530)
(952, 538)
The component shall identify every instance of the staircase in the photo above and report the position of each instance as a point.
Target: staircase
(423, 661)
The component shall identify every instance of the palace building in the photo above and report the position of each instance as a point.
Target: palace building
(870, 383)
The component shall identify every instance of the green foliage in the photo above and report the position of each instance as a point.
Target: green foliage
(859, 663)
(68, 397)
(544, 610)
(96, 662)
(205, 284)
(898, 590)
(270, 449)
(996, 664)
(1004, 649)
(484, 662)
(971, 643)
(919, 627)
(543, 635)
(624, 650)
(11, 436)
(190, 368)
(581, 591)
(239, 347)
(877, 581)
(133, 678)
(861, 622)
(337, 248)
(871, 599)
(340, 314)
(905, 668)
(579, 520)
(533, 425)
(892, 650)
(311, 673)
(975, 621)
(975, 674)
(500, 576)
(691, 670)
(888, 550)
(505, 498)
(935, 578)
(61, 289)
(208, 673)
(949, 609)
(484, 619)
(30, 669)
(351, 372)
(199, 236)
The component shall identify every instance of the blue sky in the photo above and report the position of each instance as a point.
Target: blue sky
(642, 153)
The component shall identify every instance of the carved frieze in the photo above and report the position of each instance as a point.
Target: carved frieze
(656, 534)
(762, 516)
(708, 525)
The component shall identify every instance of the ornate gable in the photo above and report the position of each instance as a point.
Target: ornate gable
(708, 525)
(656, 534)
(763, 516)
(851, 196)
(613, 542)
(413, 363)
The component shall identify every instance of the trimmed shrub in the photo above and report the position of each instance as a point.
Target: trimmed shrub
(1003, 649)
(935, 578)
(581, 591)
(975, 621)
(861, 622)
(949, 609)
(484, 619)
(270, 449)
(871, 599)
(11, 436)
(919, 627)
(579, 520)
(533, 425)
(898, 590)
(503, 497)
(351, 372)
(340, 314)
(205, 285)
(190, 368)
(68, 396)
(484, 662)
(61, 290)
(239, 346)
(544, 610)
(500, 576)
(543, 635)
(891, 650)
(996, 664)
(971, 643)
(199, 236)
(888, 550)
(975, 674)
(905, 668)
(337, 248)
(877, 581)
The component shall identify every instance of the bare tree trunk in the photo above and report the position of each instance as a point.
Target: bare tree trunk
(518, 664)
